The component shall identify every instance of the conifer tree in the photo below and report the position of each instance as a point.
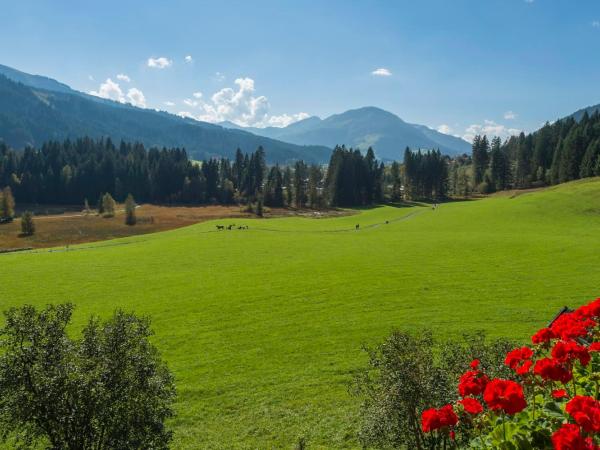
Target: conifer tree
(27, 224)
(7, 204)
(108, 205)
(130, 218)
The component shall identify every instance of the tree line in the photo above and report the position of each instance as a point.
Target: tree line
(558, 152)
(85, 170)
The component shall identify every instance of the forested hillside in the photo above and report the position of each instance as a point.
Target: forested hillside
(30, 116)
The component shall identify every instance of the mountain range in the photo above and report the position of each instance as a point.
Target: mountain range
(364, 127)
(34, 109)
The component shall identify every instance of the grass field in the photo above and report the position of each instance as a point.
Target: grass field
(263, 327)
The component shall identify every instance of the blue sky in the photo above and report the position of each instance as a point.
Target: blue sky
(462, 66)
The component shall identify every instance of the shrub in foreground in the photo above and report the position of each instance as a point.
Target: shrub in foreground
(106, 390)
(549, 401)
(406, 373)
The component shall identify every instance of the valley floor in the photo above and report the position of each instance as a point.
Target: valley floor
(263, 327)
(58, 226)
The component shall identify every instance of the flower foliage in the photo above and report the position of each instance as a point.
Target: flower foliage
(551, 400)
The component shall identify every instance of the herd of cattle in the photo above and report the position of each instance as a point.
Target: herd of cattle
(231, 227)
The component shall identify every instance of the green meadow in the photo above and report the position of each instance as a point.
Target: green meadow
(263, 327)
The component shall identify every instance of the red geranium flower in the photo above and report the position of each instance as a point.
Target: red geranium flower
(586, 412)
(519, 360)
(571, 326)
(559, 393)
(471, 405)
(590, 310)
(566, 352)
(568, 437)
(433, 419)
(474, 364)
(472, 382)
(594, 347)
(551, 369)
(504, 395)
(543, 336)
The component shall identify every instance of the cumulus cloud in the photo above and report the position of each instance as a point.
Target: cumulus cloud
(112, 91)
(490, 129)
(284, 120)
(446, 129)
(239, 105)
(169, 103)
(189, 59)
(509, 115)
(159, 63)
(382, 72)
(123, 77)
(136, 97)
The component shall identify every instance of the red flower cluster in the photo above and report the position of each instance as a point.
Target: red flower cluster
(554, 357)
(504, 395)
(472, 382)
(434, 419)
(519, 360)
(566, 352)
(543, 336)
(586, 413)
(471, 405)
(551, 369)
(572, 325)
(568, 437)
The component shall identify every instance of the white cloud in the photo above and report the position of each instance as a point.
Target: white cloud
(239, 105)
(190, 102)
(186, 114)
(446, 129)
(285, 119)
(123, 77)
(168, 103)
(189, 59)
(510, 115)
(596, 23)
(112, 91)
(382, 72)
(490, 129)
(529, 1)
(219, 77)
(159, 63)
(91, 78)
(136, 97)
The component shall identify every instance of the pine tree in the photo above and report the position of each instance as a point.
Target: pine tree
(7, 204)
(130, 218)
(108, 205)
(480, 158)
(100, 204)
(396, 181)
(27, 224)
(590, 159)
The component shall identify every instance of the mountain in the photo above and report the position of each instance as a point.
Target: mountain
(35, 109)
(577, 115)
(364, 127)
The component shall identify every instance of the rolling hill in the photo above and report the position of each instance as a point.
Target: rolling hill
(263, 328)
(364, 127)
(34, 109)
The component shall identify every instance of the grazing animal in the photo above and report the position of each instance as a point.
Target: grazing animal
(387, 221)
(357, 226)
(220, 227)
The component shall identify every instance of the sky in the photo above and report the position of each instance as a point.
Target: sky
(462, 67)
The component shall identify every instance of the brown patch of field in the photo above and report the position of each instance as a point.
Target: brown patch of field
(66, 226)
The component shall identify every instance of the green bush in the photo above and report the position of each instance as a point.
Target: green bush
(406, 374)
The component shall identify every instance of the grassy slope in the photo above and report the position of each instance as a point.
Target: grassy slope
(263, 328)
